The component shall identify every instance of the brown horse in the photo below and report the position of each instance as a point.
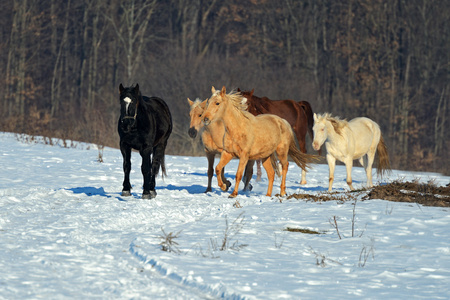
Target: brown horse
(211, 148)
(298, 114)
(251, 138)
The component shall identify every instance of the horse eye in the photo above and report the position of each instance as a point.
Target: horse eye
(199, 115)
(217, 103)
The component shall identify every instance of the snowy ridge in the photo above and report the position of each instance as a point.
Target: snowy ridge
(207, 291)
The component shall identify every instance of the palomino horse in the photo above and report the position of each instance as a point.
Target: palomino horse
(250, 138)
(211, 148)
(145, 124)
(298, 114)
(346, 141)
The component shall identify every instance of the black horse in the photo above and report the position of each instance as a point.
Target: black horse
(145, 124)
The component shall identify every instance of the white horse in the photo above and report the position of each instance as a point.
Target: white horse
(346, 141)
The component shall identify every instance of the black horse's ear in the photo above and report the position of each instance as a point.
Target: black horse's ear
(137, 88)
(121, 88)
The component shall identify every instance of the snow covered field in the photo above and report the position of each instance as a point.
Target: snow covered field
(65, 232)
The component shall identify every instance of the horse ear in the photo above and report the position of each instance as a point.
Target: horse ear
(190, 102)
(238, 89)
(213, 89)
(315, 117)
(251, 93)
(137, 88)
(223, 91)
(121, 88)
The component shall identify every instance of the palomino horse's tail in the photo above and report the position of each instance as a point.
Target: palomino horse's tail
(301, 159)
(274, 161)
(310, 117)
(382, 158)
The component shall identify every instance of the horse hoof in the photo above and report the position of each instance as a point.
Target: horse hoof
(249, 187)
(208, 190)
(150, 195)
(225, 186)
(126, 193)
(233, 195)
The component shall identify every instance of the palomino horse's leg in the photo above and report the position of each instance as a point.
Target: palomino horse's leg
(349, 166)
(225, 158)
(331, 165)
(267, 164)
(284, 169)
(242, 164)
(126, 153)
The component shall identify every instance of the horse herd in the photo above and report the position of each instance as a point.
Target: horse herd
(241, 125)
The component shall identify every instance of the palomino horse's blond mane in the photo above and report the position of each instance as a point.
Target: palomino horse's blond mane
(338, 123)
(236, 98)
(196, 103)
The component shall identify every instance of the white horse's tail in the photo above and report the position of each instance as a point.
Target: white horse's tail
(382, 158)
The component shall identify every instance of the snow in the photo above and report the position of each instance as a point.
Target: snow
(66, 233)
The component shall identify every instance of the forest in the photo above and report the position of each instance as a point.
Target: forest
(62, 63)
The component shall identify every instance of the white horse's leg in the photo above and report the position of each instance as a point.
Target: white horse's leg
(370, 158)
(303, 180)
(363, 162)
(331, 165)
(348, 166)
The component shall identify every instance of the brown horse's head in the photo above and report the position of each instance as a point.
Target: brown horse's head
(251, 102)
(195, 114)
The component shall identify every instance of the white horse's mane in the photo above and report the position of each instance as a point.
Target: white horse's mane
(337, 123)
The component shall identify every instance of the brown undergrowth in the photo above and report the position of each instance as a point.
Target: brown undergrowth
(428, 194)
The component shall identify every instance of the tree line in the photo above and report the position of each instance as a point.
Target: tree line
(62, 63)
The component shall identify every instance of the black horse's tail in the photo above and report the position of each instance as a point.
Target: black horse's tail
(163, 168)
(310, 117)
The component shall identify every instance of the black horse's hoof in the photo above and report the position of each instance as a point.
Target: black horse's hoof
(248, 188)
(126, 193)
(228, 184)
(150, 195)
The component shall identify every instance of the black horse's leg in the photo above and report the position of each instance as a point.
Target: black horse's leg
(248, 175)
(146, 169)
(158, 159)
(126, 153)
(210, 158)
